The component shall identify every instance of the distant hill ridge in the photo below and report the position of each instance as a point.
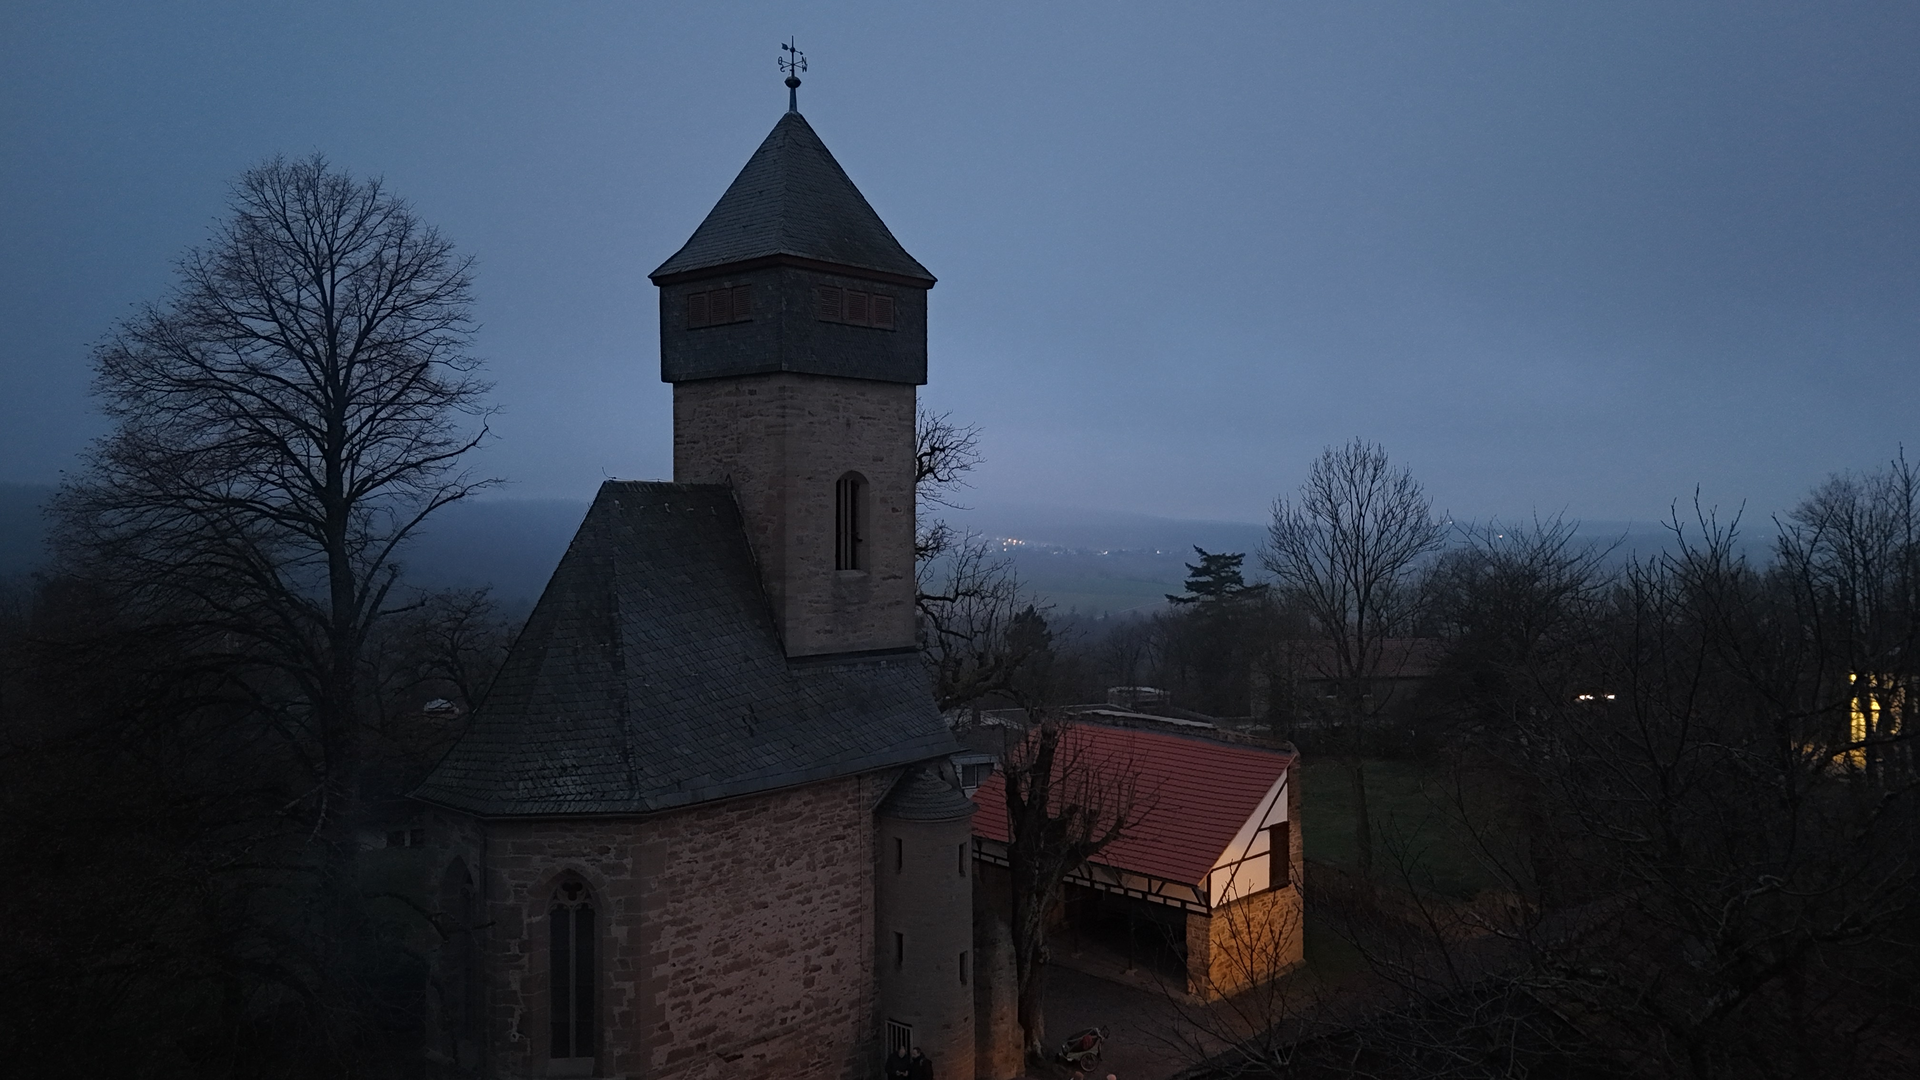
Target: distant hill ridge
(509, 545)
(23, 527)
(1092, 562)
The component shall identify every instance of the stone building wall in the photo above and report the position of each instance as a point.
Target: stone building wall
(735, 938)
(924, 892)
(783, 441)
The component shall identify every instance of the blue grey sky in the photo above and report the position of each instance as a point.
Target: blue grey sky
(1581, 256)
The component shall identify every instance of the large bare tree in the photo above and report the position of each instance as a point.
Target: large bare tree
(1068, 798)
(975, 618)
(283, 422)
(1346, 551)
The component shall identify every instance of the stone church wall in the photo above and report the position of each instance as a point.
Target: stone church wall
(736, 937)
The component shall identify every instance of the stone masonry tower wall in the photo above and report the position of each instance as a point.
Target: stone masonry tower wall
(784, 441)
(793, 327)
(923, 919)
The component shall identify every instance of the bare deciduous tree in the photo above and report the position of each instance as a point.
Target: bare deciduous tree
(972, 606)
(1346, 552)
(282, 424)
(945, 451)
(1516, 607)
(1067, 800)
(968, 623)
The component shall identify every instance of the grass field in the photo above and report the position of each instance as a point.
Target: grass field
(1409, 804)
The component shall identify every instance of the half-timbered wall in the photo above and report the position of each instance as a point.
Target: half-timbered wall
(1246, 866)
(1252, 935)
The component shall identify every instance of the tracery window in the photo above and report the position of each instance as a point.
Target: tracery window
(570, 970)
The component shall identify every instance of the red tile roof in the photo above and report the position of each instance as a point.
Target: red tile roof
(1199, 793)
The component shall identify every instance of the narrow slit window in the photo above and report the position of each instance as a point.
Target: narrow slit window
(899, 950)
(961, 851)
(963, 968)
(850, 523)
(1280, 856)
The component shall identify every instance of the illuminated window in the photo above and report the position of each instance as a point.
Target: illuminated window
(1873, 713)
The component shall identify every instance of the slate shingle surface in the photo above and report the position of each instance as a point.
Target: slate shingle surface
(649, 676)
(921, 795)
(792, 198)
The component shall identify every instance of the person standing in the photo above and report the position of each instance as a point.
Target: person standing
(921, 1066)
(899, 1065)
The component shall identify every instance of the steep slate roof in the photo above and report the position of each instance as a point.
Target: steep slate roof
(792, 198)
(1198, 794)
(649, 676)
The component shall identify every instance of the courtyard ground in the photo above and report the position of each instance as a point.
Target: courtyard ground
(1141, 1007)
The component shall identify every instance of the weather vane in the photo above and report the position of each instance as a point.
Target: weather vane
(793, 64)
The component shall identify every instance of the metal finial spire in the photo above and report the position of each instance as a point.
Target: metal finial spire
(793, 64)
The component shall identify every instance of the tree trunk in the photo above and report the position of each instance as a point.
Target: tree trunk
(1030, 970)
(1033, 987)
(1362, 824)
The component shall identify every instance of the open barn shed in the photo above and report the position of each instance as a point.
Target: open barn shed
(1209, 881)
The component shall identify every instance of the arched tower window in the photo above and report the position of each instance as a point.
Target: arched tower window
(850, 523)
(570, 971)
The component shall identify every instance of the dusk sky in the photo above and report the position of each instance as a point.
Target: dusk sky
(1552, 256)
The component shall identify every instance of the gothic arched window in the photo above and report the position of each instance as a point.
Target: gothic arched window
(850, 523)
(457, 976)
(570, 971)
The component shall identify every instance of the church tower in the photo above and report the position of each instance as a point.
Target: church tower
(793, 327)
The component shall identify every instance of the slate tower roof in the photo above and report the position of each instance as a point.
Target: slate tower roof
(793, 199)
(922, 795)
(649, 676)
